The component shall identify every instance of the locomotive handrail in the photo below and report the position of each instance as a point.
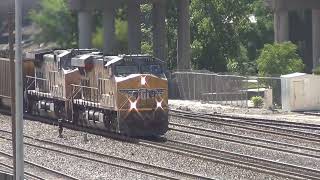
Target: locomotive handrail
(37, 78)
(84, 86)
(31, 84)
(75, 92)
(96, 97)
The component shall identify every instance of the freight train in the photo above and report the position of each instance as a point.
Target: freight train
(126, 94)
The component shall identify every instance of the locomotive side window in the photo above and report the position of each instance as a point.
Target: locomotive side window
(151, 69)
(126, 69)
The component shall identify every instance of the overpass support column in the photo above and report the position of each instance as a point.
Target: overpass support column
(109, 29)
(134, 27)
(159, 29)
(85, 29)
(184, 49)
(316, 37)
(281, 26)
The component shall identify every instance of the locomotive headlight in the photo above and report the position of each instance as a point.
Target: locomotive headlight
(159, 104)
(143, 80)
(133, 105)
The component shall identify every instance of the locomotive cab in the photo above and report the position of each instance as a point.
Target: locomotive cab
(142, 95)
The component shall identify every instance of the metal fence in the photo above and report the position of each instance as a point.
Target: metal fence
(222, 89)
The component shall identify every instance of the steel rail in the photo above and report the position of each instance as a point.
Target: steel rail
(260, 120)
(246, 143)
(247, 121)
(59, 174)
(292, 134)
(312, 113)
(10, 168)
(82, 151)
(215, 155)
(230, 161)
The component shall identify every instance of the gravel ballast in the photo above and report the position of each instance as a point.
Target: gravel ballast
(258, 152)
(246, 132)
(134, 152)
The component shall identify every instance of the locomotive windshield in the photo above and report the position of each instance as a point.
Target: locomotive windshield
(126, 69)
(151, 69)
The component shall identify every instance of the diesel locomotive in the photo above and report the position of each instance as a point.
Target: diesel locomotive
(126, 94)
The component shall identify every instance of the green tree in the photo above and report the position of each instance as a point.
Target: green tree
(121, 31)
(216, 27)
(172, 21)
(242, 64)
(56, 22)
(278, 59)
(259, 31)
(146, 29)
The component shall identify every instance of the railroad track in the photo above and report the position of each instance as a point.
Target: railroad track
(248, 126)
(152, 170)
(6, 169)
(235, 159)
(315, 113)
(44, 170)
(262, 121)
(241, 139)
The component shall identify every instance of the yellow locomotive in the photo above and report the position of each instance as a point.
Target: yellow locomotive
(127, 94)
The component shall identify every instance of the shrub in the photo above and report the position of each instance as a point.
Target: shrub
(257, 101)
(278, 59)
(242, 65)
(316, 71)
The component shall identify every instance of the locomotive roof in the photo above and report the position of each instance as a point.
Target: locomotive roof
(80, 55)
(112, 60)
(115, 59)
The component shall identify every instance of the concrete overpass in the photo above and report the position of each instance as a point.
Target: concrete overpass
(27, 5)
(285, 26)
(85, 9)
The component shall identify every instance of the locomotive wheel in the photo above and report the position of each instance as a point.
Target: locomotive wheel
(33, 108)
(60, 112)
(107, 122)
(113, 122)
(29, 105)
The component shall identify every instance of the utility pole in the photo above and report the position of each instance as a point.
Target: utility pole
(19, 92)
(12, 73)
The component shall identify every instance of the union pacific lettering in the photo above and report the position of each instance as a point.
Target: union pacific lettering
(143, 93)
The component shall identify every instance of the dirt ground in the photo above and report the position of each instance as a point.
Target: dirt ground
(197, 106)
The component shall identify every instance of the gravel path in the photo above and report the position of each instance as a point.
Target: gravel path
(134, 152)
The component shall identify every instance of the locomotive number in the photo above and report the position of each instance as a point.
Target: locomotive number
(143, 93)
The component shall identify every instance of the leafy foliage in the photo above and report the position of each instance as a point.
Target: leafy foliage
(258, 33)
(172, 33)
(97, 39)
(242, 64)
(56, 22)
(223, 38)
(215, 28)
(279, 59)
(146, 29)
(257, 101)
(121, 27)
(316, 71)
